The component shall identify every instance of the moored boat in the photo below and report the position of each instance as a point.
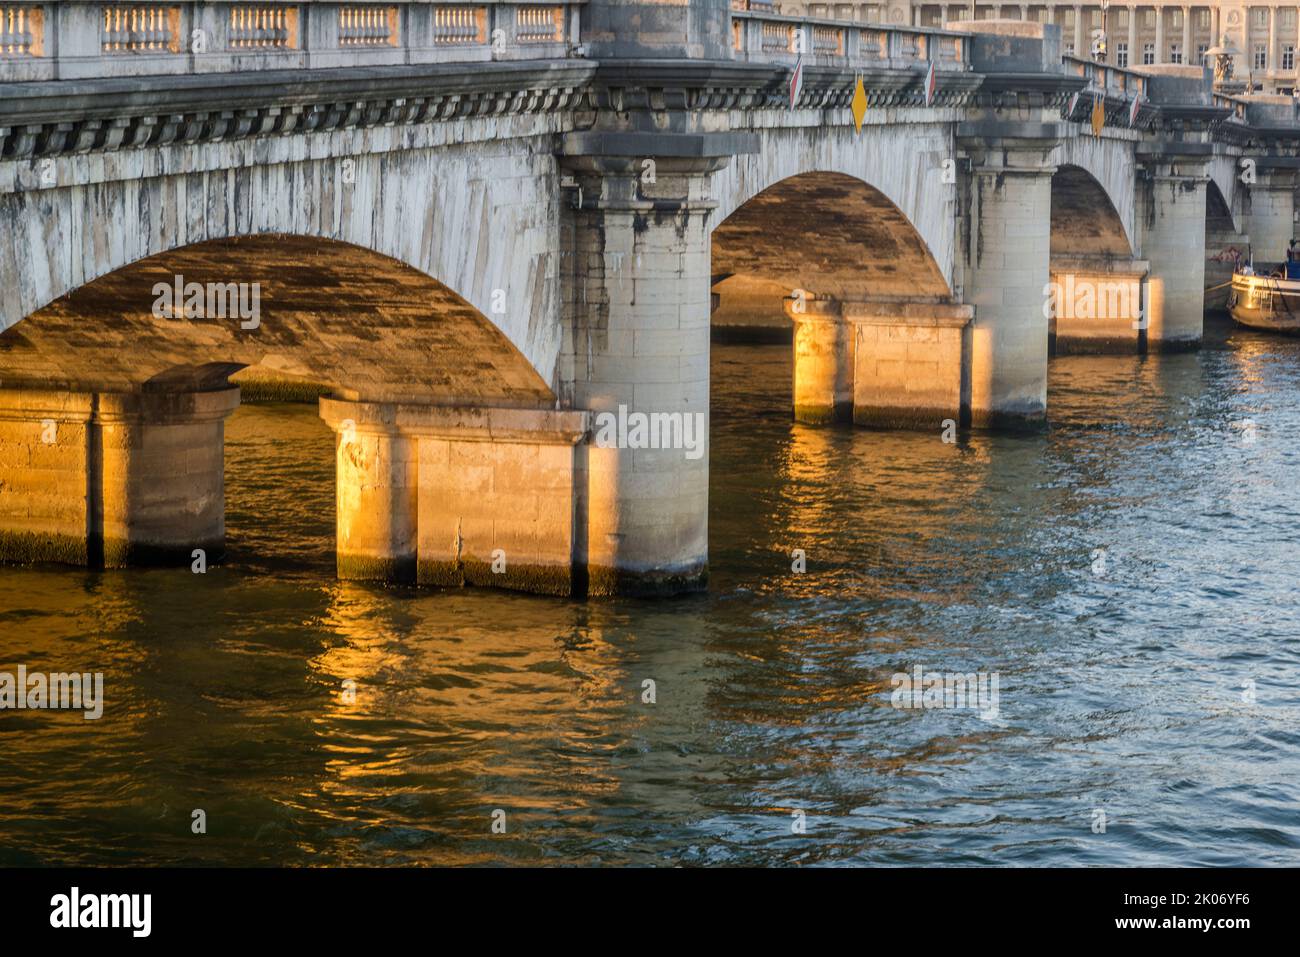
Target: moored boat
(1265, 299)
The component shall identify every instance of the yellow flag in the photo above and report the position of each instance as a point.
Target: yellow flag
(1098, 115)
(859, 104)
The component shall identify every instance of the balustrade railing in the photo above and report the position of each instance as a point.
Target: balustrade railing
(539, 24)
(263, 27)
(136, 29)
(369, 25)
(22, 29)
(459, 25)
(759, 35)
(79, 39)
(1102, 77)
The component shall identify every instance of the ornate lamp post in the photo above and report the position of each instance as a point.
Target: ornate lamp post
(1099, 36)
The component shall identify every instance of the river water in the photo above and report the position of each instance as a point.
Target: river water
(1129, 577)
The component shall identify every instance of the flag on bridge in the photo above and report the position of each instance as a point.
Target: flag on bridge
(796, 81)
(859, 104)
(1134, 109)
(1098, 114)
(931, 84)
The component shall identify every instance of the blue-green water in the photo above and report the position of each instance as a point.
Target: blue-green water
(1129, 575)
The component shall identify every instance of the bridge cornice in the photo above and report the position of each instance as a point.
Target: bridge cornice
(649, 84)
(74, 116)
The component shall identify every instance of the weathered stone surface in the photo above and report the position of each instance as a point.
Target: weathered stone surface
(1172, 229)
(911, 362)
(112, 479)
(1007, 271)
(452, 497)
(823, 362)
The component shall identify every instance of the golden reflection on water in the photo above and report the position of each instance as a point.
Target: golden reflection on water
(477, 702)
(225, 691)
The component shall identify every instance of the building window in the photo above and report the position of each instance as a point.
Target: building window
(1121, 54)
(1175, 53)
(1200, 52)
(1149, 19)
(1203, 19)
(1148, 54)
(1261, 56)
(1288, 56)
(1095, 17)
(1259, 15)
(1069, 49)
(1176, 19)
(1121, 18)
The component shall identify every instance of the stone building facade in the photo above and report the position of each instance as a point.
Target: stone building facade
(1265, 38)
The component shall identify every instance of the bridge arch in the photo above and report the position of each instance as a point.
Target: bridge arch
(1094, 197)
(114, 398)
(1224, 190)
(877, 338)
(1096, 279)
(1225, 245)
(330, 314)
(908, 173)
(828, 233)
(1085, 221)
(483, 227)
(1219, 215)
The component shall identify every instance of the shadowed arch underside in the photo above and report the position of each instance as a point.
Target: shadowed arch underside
(1224, 247)
(827, 233)
(1218, 214)
(329, 314)
(1084, 220)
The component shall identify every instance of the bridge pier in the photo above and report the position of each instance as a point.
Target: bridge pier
(1171, 214)
(911, 366)
(111, 479)
(454, 496)
(888, 363)
(823, 361)
(1096, 305)
(1271, 220)
(641, 303)
(1007, 266)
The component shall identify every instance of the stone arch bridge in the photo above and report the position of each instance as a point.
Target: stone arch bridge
(475, 228)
